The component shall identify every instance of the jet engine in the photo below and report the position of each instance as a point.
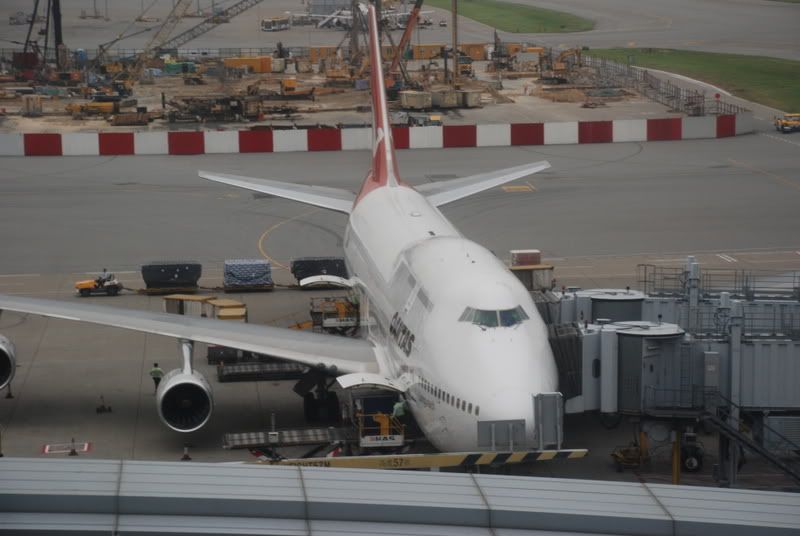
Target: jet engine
(184, 400)
(8, 361)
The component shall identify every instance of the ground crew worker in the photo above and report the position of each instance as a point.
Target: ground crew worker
(156, 373)
(399, 409)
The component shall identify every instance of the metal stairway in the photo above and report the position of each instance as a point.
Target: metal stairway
(720, 421)
(209, 24)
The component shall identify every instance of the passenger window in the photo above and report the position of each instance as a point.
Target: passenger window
(477, 410)
(469, 408)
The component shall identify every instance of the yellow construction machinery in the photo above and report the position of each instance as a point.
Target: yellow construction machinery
(787, 123)
(79, 110)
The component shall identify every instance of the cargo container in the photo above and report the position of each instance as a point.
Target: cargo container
(172, 274)
(247, 274)
(444, 98)
(469, 98)
(310, 266)
(476, 51)
(415, 100)
(254, 64)
(426, 52)
(278, 65)
(321, 53)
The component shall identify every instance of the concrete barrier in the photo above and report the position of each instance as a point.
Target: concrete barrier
(324, 139)
(150, 143)
(425, 138)
(595, 132)
(186, 143)
(744, 123)
(254, 141)
(459, 136)
(695, 128)
(400, 136)
(333, 139)
(725, 126)
(494, 135)
(527, 134)
(289, 140)
(115, 143)
(42, 144)
(356, 138)
(669, 129)
(80, 144)
(561, 133)
(221, 141)
(627, 130)
(12, 144)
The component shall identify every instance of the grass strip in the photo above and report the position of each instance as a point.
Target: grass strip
(771, 81)
(516, 18)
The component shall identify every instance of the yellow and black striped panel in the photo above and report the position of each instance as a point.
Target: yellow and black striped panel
(445, 459)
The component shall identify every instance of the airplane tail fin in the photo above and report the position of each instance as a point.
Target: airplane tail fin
(384, 165)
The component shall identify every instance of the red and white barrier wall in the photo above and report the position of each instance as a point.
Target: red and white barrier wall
(334, 139)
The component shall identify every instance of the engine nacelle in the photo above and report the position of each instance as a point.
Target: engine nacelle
(184, 400)
(8, 361)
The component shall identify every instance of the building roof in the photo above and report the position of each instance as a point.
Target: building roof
(136, 497)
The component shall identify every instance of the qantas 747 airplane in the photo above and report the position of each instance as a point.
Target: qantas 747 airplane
(451, 328)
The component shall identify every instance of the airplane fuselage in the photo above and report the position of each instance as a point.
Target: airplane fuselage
(447, 313)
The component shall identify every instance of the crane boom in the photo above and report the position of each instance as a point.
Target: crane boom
(209, 24)
(178, 12)
(412, 21)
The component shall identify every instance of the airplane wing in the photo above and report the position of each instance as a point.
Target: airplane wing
(348, 355)
(441, 193)
(320, 196)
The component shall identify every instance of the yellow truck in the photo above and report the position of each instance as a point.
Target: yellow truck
(787, 123)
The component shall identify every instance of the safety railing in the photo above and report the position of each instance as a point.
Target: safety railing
(708, 400)
(745, 284)
(689, 101)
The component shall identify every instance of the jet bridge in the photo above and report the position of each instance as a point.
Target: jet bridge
(717, 346)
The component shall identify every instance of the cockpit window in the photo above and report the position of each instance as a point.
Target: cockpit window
(492, 319)
(512, 317)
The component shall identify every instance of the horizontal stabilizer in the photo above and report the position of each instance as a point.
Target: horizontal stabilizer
(319, 196)
(441, 193)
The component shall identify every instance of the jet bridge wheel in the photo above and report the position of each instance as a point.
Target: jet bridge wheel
(692, 459)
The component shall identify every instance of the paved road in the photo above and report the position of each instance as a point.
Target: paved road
(763, 27)
(82, 213)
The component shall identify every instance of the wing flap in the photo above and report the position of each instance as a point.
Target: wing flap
(441, 193)
(348, 355)
(319, 196)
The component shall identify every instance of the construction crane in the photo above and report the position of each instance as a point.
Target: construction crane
(404, 40)
(209, 24)
(103, 48)
(162, 34)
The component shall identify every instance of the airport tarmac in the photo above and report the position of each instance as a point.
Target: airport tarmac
(761, 27)
(596, 214)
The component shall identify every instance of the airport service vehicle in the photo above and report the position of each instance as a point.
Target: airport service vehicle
(104, 284)
(446, 324)
(787, 123)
